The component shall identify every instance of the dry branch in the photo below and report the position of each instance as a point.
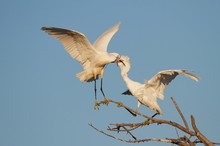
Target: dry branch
(129, 127)
(180, 113)
(137, 140)
(199, 134)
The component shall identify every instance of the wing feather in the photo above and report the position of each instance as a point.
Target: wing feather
(160, 81)
(75, 43)
(103, 40)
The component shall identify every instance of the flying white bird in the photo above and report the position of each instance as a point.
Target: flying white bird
(93, 58)
(152, 89)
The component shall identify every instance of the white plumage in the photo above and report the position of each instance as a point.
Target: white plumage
(152, 89)
(93, 58)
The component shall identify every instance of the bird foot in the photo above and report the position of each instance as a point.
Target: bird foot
(96, 105)
(147, 122)
(106, 101)
(120, 104)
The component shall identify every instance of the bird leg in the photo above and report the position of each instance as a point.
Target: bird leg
(149, 120)
(155, 115)
(95, 91)
(105, 99)
(138, 105)
(96, 104)
(101, 88)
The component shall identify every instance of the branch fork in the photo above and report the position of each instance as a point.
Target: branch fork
(184, 140)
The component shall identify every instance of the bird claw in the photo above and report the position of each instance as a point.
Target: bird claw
(106, 101)
(147, 122)
(120, 104)
(96, 105)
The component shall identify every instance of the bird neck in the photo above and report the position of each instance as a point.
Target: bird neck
(127, 80)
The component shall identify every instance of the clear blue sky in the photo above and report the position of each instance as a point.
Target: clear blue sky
(42, 103)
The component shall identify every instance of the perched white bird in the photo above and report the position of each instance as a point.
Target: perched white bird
(93, 58)
(152, 89)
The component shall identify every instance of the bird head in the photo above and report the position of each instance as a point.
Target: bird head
(123, 60)
(118, 60)
(124, 63)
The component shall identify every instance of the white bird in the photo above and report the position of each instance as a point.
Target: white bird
(152, 89)
(93, 58)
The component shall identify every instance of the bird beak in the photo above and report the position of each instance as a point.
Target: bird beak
(118, 60)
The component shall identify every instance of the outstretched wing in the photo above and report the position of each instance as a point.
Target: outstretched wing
(75, 43)
(103, 40)
(160, 81)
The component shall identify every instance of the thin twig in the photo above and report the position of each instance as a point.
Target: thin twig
(132, 126)
(120, 104)
(129, 133)
(139, 140)
(118, 130)
(177, 132)
(180, 113)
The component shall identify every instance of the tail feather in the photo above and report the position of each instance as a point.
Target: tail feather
(127, 93)
(85, 76)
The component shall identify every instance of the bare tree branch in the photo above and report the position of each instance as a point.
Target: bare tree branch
(180, 113)
(132, 126)
(152, 120)
(199, 134)
(136, 141)
(180, 140)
